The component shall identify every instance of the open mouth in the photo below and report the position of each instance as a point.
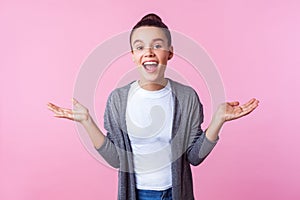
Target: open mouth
(150, 66)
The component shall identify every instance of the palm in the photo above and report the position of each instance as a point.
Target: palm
(79, 112)
(232, 110)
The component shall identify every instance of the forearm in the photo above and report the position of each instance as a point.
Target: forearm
(95, 134)
(200, 149)
(213, 130)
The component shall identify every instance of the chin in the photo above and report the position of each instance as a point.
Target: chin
(148, 79)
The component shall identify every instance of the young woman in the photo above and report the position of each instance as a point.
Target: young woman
(153, 124)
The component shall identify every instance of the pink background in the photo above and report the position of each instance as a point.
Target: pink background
(255, 45)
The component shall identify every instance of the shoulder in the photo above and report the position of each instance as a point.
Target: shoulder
(186, 99)
(119, 94)
(181, 90)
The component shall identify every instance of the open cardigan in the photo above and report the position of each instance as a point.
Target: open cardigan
(188, 144)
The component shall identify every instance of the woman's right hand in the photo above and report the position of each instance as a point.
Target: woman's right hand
(79, 112)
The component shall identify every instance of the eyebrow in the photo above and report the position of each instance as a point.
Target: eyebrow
(136, 41)
(158, 39)
(154, 40)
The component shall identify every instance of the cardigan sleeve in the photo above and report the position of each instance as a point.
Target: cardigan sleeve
(198, 145)
(111, 124)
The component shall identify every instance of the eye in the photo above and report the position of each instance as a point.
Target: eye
(139, 48)
(157, 46)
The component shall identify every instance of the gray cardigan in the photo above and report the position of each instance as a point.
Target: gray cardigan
(188, 145)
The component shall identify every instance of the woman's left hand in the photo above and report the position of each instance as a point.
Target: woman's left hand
(232, 110)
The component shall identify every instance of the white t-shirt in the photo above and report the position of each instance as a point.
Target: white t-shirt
(149, 118)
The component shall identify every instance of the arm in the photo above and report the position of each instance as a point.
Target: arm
(81, 115)
(227, 112)
(199, 145)
(202, 144)
(103, 144)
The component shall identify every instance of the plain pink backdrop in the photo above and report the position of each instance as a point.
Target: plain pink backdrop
(255, 45)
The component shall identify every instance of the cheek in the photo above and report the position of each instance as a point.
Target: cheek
(137, 56)
(135, 59)
(165, 54)
(164, 58)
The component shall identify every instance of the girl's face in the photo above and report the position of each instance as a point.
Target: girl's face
(151, 53)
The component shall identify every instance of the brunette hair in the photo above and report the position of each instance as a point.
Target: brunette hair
(152, 20)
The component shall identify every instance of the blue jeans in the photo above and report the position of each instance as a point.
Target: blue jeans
(154, 195)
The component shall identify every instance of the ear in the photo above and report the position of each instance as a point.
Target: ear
(170, 52)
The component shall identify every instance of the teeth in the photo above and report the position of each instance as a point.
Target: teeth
(150, 63)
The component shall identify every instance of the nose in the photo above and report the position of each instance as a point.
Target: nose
(148, 52)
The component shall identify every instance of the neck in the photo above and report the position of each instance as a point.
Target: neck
(152, 86)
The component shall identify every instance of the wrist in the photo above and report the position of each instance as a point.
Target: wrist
(212, 132)
(87, 121)
(219, 121)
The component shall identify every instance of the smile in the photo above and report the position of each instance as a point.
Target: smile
(150, 66)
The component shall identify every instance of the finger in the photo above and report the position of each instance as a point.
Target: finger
(78, 105)
(65, 114)
(63, 111)
(74, 101)
(50, 104)
(52, 107)
(234, 103)
(251, 101)
(248, 109)
(57, 108)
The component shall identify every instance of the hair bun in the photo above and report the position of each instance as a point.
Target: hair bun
(152, 17)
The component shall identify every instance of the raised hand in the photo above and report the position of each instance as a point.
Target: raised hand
(79, 112)
(226, 112)
(232, 110)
